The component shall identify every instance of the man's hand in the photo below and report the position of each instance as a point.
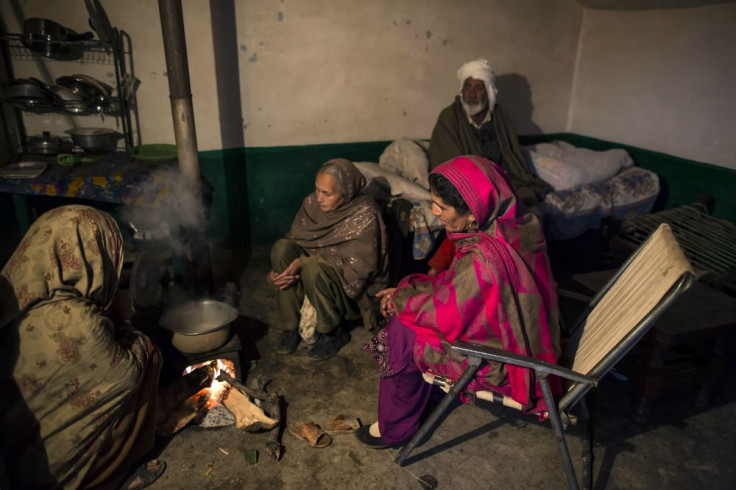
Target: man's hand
(387, 301)
(286, 278)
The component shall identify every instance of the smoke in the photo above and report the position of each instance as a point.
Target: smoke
(164, 204)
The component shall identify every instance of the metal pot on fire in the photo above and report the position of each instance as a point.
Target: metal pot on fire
(199, 326)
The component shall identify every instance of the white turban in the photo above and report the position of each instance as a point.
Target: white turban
(480, 69)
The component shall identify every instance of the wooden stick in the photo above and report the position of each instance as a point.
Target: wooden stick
(259, 395)
(273, 443)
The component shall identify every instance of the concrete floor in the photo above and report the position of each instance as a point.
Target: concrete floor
(681, 447)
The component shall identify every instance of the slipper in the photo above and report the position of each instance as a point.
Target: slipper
(342, 424)
(145, 475)
(311, 433)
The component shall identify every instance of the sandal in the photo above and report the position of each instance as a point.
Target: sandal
(144, 475)
(311, 433)
(342, 424)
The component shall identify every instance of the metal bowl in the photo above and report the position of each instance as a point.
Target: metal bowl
(95, 140)
(199, 326)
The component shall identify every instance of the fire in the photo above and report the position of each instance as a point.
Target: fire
(217, 390)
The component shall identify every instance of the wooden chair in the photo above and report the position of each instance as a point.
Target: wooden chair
(612, 323)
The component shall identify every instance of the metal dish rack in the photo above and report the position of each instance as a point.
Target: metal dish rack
(118, 52)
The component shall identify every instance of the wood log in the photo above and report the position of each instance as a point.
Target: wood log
(248, 415)
(174, 395)
(178, 418)
(273, 443)
(184, 400)
(273, 405)
(257, 394)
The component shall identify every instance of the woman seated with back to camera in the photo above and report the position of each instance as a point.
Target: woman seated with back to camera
(79, 385)
(336, 256)
(498, 291)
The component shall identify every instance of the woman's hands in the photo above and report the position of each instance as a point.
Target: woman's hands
(387, 301)
(286, 278)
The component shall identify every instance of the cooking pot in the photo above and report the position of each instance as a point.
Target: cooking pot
(47, 144)
(199, 326)
(95, 140)
(53, 40)
(31, 94)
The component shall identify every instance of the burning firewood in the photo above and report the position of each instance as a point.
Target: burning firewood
(184, 400)
(188, 411)
(247, 414)
(171, 397)
(273, 405)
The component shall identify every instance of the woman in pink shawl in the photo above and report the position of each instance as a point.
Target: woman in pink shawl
(498, 291)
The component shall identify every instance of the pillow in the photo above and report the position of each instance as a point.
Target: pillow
(399, 185)
(582, 166)
(408, 159)
(557, 173)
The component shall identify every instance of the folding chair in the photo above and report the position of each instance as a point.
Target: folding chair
(612, 323)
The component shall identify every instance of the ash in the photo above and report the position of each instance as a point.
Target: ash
(218, 416)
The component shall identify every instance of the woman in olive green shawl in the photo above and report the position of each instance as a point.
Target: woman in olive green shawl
(335, 254)
(79, 393)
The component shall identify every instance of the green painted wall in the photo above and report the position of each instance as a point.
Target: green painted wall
(257, 191)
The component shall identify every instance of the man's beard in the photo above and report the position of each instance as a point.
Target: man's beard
(473, 109)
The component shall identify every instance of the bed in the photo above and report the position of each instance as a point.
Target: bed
(588, 186)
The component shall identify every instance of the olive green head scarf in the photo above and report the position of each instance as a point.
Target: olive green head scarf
(71, 250)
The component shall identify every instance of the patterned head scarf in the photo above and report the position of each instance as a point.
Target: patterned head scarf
(349, 179)
(351, 238)
(487, 191)
(480, 69)
(74, 250)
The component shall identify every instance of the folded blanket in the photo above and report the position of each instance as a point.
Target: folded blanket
(565, 166)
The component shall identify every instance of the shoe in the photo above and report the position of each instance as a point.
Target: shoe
(144, 475)
(328, 345)
(288, 341)
(364, 435)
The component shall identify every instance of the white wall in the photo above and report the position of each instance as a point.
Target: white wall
(660, 79)
(325, 71)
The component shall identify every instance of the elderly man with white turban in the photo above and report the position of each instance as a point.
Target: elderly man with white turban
(475, 125)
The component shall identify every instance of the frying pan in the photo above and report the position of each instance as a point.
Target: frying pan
(30, 93)
(52, 40)
(83, 86)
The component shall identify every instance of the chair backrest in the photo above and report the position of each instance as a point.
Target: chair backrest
(627, 306)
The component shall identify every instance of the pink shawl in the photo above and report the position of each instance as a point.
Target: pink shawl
(498, 290)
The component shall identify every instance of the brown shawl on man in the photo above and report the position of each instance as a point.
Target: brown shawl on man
(453, 136)
(351, 238)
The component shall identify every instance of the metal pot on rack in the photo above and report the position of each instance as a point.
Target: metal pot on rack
(31, 94)
(53, 40)
(45, 144)
(95, 140)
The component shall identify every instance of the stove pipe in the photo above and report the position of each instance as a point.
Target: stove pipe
(175, 48)
(198, 269)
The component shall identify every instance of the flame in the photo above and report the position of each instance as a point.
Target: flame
(217, 390)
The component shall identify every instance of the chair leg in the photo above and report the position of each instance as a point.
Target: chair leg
(473, 364)
(554, 417)
(587, 446)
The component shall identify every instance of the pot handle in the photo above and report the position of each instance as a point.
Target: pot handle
(85, 36)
